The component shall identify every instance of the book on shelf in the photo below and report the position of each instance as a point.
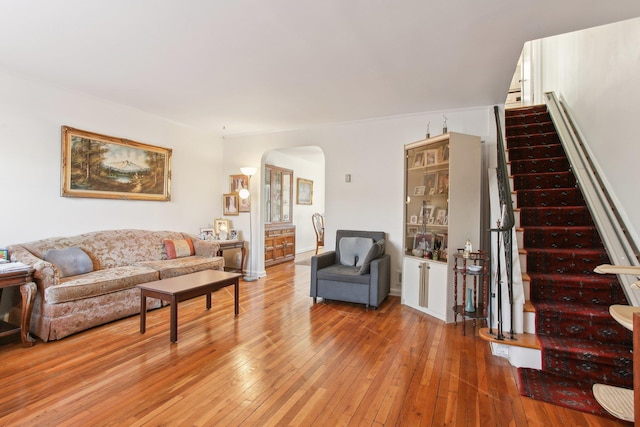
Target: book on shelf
(13, 266)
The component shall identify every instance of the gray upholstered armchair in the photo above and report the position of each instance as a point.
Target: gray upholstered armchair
(357, 271)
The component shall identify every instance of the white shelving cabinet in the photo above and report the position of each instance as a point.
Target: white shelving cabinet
(442, 209)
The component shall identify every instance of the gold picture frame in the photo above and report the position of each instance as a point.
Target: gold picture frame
(231, 204)
(106, 167)
(304, 193)
(237, 183)
(221, 224)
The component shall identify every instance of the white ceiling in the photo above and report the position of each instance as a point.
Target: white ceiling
(262, 65)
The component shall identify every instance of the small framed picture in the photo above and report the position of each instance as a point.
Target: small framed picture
(432, 157)
(441, 214)
(418, 160)
(419, 190)
(423, 241)
(428, 212)
(443, 154)
(412, 231)
(238, 182)
(207, 234)
(233, 234)
(4, 255)
(221, 225)
(413, 219)
(230, 204)
(430, 183)
(443, 182)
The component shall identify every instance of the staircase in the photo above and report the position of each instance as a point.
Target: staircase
(580, 343)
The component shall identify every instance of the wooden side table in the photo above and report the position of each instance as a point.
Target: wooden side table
(24, 279)
(234, 244)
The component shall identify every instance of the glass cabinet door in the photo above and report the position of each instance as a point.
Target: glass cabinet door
(278, 192)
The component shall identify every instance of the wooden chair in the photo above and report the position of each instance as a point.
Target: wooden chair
(318, 226)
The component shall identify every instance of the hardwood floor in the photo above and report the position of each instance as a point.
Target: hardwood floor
(282, 361)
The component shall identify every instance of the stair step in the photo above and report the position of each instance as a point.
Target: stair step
(529, 109)
(577, 237)
(521, 340)
(535, 152)
(587, 289)
(565, 261)
(530, 129)
(535, 166)
(554, 215)
(588, 324)
(549, 197)
(563, 179)
(535, 140)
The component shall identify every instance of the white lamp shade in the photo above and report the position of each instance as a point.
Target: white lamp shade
(248, 170)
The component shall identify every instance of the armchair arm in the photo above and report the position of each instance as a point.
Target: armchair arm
(46, 274)
(319, 262)
(206, 248)
(380, 280)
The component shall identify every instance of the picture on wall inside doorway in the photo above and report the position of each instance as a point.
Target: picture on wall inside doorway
(105, 167)
(305, 192)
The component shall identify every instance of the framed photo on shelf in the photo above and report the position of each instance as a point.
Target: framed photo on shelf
(418, 160)
(4, 254)
(430, 183)
(230, 204)
(427, 213)
(423, 241)
(221, 225)
(413, 219)
(207, 234)
(233, 234)
(432, 157)
(443, 154)
(443, 182)
(412, 231)
(441, 214)
(419, 190)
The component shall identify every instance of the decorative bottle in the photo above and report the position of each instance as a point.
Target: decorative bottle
(469, 308)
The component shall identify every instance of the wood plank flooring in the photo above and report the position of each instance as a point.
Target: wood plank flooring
(282, 361)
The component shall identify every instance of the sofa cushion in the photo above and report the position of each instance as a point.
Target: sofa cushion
(353, 250)
(178, 248)
(375, 251)
(343, 273)
(179, 266)
(70, 261)
(99, 283)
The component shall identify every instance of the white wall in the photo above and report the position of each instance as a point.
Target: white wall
(31, 116)
(596, 72)
(372, 152)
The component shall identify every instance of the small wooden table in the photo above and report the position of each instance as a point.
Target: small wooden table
(234, 244)
(185, 287)
(24, 279)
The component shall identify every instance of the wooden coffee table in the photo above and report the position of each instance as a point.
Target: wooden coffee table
(185, 287)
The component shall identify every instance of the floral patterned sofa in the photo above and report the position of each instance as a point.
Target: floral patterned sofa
(88, 280)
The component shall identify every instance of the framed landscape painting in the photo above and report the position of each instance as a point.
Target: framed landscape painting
(106, 167)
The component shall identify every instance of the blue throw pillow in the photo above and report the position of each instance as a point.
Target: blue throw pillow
(70, 261)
